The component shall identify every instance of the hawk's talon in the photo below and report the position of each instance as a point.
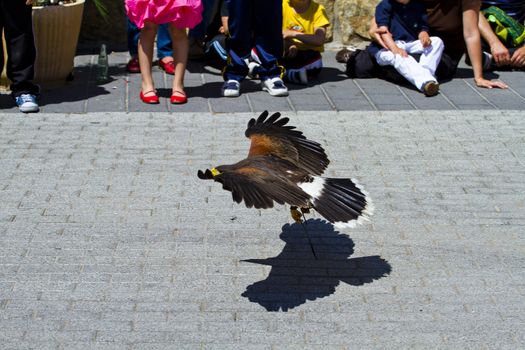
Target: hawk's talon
(296, 214)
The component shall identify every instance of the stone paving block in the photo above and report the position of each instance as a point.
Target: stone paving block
(111, 242)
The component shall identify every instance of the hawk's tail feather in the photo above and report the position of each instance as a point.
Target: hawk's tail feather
(343, 202)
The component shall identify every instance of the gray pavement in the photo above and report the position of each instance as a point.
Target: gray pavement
(109, 240)
(333, 92)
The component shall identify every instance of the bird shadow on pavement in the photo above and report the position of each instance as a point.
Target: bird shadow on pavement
(313, 262)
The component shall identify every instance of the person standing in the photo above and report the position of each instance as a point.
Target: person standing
(148, 15)
(254, 24)
(17, 22)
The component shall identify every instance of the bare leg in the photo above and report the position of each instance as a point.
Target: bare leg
(145, 48)
(179, 39)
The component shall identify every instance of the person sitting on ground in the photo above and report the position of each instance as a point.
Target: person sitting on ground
(164, 49)
(503, 33)
(448, 20)
(17, 22)
(404, 29)
(215, 52)
(197, 36)
(304, 33)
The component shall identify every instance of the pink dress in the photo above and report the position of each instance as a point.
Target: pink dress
(182, 13)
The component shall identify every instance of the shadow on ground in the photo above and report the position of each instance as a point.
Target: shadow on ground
(312, 264)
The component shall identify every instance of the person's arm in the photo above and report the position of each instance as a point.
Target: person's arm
(224, 27)
(473, 42)
(318, 38)
(375, 33)
(497, 49)
(390, 43)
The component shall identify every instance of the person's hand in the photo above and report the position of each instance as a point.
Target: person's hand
(398, 51)
(292, 51)
(223, 30)
(489, 84)
(289, 33)
(29, 2)
(425, 39)
(500, 54)
(518, 58)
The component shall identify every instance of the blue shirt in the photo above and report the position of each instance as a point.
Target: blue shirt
(405, 22)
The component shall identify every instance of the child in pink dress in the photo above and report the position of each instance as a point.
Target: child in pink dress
(147, 15)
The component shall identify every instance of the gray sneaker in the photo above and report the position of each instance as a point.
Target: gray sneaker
(274, 86)
(27, 103)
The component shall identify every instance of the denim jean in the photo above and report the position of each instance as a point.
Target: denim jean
(164, 47)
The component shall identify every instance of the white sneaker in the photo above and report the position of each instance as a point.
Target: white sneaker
(231, 88)
(27, 103)
(274, 86)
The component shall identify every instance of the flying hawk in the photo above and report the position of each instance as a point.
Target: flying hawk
(283, 166)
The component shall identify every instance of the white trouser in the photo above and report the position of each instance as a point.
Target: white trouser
(415, 72)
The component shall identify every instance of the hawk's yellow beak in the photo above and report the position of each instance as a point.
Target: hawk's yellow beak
(215, 172)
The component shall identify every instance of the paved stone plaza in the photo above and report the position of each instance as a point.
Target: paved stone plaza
(110, 241)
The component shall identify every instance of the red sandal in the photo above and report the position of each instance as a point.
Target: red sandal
(178, 97)
(152, 100)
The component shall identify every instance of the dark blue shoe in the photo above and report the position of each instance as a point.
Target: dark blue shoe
(27, 103)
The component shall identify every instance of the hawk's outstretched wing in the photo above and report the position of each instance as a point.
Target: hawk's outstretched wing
(273, 137)
(258, 187)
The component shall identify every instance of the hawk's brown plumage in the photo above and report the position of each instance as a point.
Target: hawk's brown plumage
(283, 166)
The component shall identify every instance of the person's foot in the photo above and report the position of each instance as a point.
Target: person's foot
(430, 88)
(231, 88)
(343, 55)
(167, 65)
(27, 103)
(133, 65)
(149, 97)
(274, 86)
(178, 97)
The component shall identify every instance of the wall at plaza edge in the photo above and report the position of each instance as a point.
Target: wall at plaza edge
(349, 18)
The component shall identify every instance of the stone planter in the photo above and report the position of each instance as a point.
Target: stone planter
(56, 30)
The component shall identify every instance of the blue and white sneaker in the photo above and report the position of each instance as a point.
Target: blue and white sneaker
(27, 103)
(274, 86)
(231, 88)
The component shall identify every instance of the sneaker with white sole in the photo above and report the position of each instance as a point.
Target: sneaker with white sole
(27, 103)
(231, 88)
(274, 86)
